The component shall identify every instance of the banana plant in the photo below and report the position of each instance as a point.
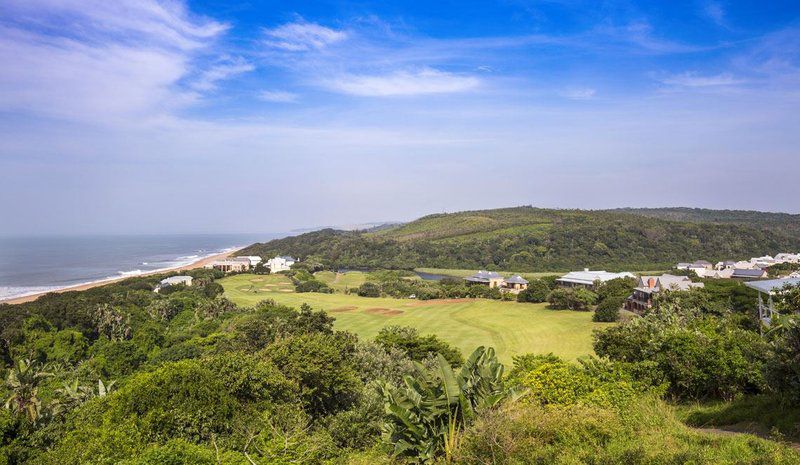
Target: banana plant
(23, 381)
(425, 416)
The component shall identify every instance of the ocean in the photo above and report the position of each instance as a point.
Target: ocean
(29, 265)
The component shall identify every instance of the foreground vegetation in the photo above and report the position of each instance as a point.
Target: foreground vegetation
(533, 239)
(120, 374)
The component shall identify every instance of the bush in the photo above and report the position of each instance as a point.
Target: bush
(571, 298)
(607, 310)
(417, 347)
(369, 289)
(312, 285)
(537, 292)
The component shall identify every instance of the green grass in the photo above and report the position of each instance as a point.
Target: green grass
(762, 415)
(342, 281)
(510, 327)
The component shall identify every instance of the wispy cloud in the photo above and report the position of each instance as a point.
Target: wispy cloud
(225, 69)
(691, 79)
(302, 36)
(714, 11)
(403, 83)
(641, 35)
(582, 93)
(277, 96)
(121, 60)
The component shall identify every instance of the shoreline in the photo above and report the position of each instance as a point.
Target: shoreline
(199, 263)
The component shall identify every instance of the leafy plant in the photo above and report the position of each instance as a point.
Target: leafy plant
(23, 381)
(426, 416)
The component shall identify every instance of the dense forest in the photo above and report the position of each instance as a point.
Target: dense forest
(122, 374)
(533, 239)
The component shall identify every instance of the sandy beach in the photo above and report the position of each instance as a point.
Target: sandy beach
(82, 287)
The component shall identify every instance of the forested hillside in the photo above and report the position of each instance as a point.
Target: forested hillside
(534, 239)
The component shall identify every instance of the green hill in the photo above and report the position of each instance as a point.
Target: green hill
(535, 239)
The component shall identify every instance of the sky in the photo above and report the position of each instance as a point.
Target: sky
(151, 116)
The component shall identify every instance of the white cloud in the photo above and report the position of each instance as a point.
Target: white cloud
(302, 36)
(690, 79)
(105, 62)
(277, 96)
(582, 93)
(208, 79)
(403, 83)
(716, 13)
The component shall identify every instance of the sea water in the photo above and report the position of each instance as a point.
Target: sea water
(29, 265)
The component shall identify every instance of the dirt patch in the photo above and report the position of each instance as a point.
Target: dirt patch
(348, 308)
(285, 290)
(383, 311)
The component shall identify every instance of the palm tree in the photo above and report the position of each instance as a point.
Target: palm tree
(23, 380)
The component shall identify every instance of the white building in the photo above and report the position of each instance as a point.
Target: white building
(254, 259)
(174, 281)
(588, 278)
(280, 263)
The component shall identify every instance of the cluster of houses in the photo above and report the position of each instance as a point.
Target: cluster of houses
(247, 263)
(755, 268)
(513, 284)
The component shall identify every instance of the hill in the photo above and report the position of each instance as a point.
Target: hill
(536, 239)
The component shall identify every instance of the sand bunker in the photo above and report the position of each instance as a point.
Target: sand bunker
(383, 311)
(348, 308)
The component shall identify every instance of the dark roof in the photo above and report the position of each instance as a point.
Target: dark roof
(701, 262)
(483, 276)
(747, 273)
(517, 279)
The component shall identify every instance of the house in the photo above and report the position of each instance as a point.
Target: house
(489, 278)
(726, 265)
(516, 284)
(588, 279)
(229, 265)
(280, 263)
(746, 274)
(769, 288)
(173, 281)
(788, 258)
(648, 286)
(698, 267)
(743, 265)
(254, 260)
(762, 262)
(702, 264)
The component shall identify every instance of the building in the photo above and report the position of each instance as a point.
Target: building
(280, 263)
(726, 265)
(698, 267)
(174, 281)
(589, 279)
(788, 258)
(516, 284)
(749, 274)
(228, 265)
(489, 278)
(254, 260)
(769, 288)
(648, 286)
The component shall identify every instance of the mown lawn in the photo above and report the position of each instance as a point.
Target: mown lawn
(510, 327)
(342, 281)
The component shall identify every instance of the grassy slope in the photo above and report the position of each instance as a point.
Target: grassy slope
(341, 281)
(510, 327)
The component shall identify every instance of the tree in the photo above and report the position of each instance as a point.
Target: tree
(23, 381)
(536, 292)
(571, 298)
(417, 347)
(369, 289)
(607, 310)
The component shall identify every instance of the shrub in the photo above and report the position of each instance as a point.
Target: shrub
(571, 298)
(537, 292)
(417, 347)
(369, 289)
(607, 310)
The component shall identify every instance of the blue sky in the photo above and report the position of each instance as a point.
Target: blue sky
(225, 116)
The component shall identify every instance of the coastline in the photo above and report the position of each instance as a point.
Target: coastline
(82, 287)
